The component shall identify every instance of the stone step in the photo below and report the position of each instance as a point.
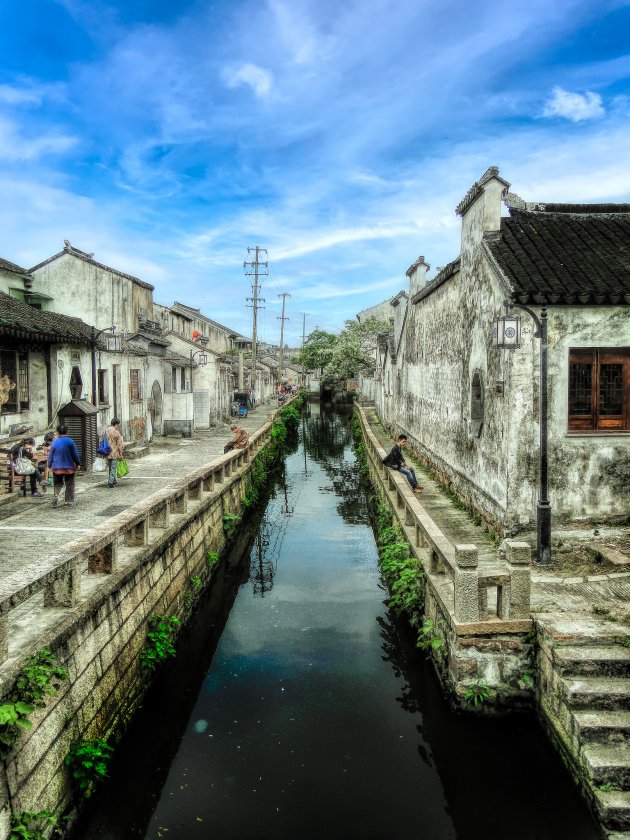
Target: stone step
(597, 692)
(562, 631)
(608, 763)
(593, 660)
(137, 452)
(603, 726)
(613, 809)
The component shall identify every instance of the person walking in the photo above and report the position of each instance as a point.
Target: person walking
(64, 461)
(394, 459)
(114, 438)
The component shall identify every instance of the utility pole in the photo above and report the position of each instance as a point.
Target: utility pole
(282, 319)
(303, 314)
(256, 265)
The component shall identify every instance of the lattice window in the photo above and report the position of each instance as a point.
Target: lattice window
(24, 398)
(599, 390)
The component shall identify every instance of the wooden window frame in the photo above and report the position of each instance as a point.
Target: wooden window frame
(135, 387)
(596, 422)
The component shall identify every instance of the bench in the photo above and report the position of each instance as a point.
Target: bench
(8, 478)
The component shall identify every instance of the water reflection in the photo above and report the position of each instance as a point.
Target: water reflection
(316, 718)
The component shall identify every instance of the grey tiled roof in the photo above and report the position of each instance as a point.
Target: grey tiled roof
(23, 321)
(12, 268)
(566, 254)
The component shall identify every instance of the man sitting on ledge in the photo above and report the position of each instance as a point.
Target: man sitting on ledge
(396, 461)
(239, 441)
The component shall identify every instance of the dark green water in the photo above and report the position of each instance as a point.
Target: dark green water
(299, 709)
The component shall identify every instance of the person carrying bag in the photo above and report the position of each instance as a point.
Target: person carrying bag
(115, 442)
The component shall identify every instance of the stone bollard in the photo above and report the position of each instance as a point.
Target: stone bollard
(518, 556)
(466, 583)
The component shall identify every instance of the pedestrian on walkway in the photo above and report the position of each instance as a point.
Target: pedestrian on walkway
(114, 438)
(64, 461)
(394, 459)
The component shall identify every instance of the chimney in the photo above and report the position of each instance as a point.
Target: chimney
(417, 274)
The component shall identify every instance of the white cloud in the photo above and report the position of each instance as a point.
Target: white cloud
(10, 95)
(15, 148)
(574, 106)
(255, 77)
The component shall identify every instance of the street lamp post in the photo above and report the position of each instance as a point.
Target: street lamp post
(507, 335)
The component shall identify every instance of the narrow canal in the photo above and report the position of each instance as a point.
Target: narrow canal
(299, 709)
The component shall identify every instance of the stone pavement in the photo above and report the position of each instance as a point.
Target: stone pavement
(32, 528)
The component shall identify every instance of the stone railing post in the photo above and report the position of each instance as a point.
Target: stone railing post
(65, 589)
(518, 556)
(138, 535)
(103, 561)
(159, 518)
(466, 583)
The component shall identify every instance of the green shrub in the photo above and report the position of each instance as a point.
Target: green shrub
(427, 638)
(212, 558)
(88, 762)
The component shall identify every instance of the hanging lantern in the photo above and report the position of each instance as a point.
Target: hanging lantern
(507, 332)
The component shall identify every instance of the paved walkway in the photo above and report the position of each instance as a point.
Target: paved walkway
(32, 528)
(570, 588)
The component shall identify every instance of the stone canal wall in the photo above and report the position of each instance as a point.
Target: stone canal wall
(90, 605)
(479, 611)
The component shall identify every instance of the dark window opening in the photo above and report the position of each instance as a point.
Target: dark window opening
(76, 383)
(599, 390)
(476, 403)
(103, 391)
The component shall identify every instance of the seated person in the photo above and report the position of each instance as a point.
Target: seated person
(395, 461)
(239, 440)
(25, 449)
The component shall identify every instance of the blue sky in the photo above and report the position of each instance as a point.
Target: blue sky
(168, 137)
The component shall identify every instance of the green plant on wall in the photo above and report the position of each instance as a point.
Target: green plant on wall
(40, 678)
(427, 637)
(29, 825)
(229, 522)
(212, 558)
(88, 762)
(160, 641)
(477, 694)
(195, 581)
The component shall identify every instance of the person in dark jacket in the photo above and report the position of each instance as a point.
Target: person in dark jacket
(394, 459)
(64, 461)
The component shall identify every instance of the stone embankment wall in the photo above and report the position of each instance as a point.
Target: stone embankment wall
(90, 605)
(477, 645)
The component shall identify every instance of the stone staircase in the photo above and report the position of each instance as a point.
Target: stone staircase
(584, 692)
